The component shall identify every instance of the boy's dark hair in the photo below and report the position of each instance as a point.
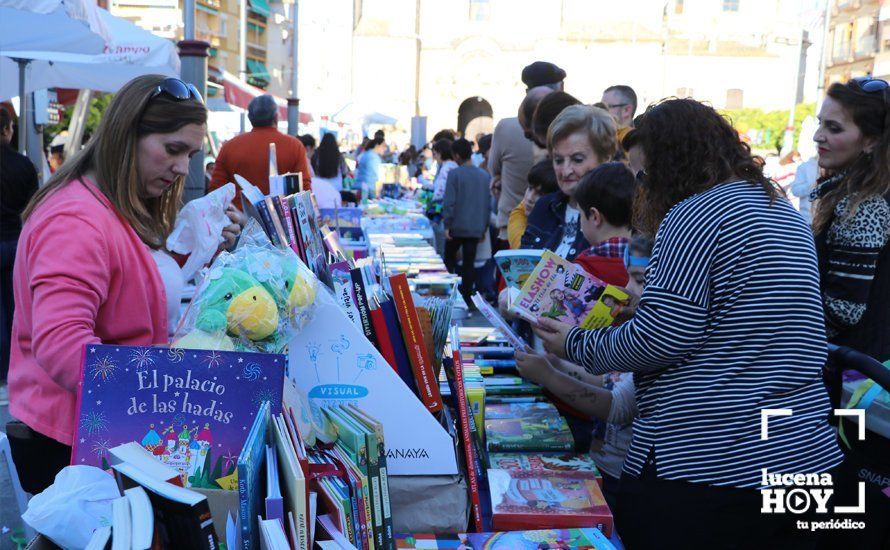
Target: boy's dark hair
(631, 139)
(542, 177)
(307, 140)
(443, 147)
(462, 150)
(610, 189)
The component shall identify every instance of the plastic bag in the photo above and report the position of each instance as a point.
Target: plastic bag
(252, 299)
(198, 229)
(76, 504)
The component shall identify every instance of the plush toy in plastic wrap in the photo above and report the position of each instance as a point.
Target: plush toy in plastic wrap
(253, 299)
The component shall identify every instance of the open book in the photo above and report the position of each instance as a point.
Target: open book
(564, 291)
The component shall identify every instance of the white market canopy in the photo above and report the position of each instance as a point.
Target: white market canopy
(130, 51)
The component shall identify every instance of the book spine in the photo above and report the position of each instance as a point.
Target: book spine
(388, 536)
(244, 506)
(287, 219)
(403, 364)
(373, 472)
(427, 385)
(361, 304)
(467, 426)
(274, 208)
(384, 340)
(268, 225)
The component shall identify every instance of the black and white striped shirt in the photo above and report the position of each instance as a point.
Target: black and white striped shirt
(730, 322)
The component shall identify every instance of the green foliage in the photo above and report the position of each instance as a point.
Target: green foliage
(98, 104)
(769, 125)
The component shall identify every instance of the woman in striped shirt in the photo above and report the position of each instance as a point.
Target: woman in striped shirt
(729, 324)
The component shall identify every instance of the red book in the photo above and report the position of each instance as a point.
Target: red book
(466, 437)
(527, 500)
(427, 384)
(383, 338)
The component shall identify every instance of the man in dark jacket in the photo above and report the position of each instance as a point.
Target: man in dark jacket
(18, 182)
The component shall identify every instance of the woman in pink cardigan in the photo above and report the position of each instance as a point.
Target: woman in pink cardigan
(84, 272)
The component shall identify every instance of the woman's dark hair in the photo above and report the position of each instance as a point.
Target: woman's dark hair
(689, 148)
(631, 139)
(376, 142)
(546, 112)
(327, 163)
(443, 147)
(869, 174)
(610, 188)
(542, 177)
(484, 143)
(450, 135)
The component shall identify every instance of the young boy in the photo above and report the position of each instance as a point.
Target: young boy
(465, 213)
(541, 181)
(605, 199)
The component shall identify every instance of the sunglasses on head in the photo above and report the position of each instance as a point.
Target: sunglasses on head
(869, 84)
(177, 89)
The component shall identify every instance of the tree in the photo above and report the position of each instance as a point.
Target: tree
(767, 128)
(98, 104)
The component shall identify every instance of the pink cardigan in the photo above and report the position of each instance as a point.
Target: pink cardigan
(82, 276)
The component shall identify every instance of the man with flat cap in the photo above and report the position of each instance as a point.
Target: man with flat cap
(248, 154)
(543, 73)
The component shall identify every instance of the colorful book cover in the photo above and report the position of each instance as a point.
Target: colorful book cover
(545, 410)
(543, 432)
(341, 217)
(525, 500)
(543, 462)
(561, 290)
(516, 265)
(191, 409)
(551, 539)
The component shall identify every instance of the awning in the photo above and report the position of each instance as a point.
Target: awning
(257, 69)
(260, 7)
(239, 94)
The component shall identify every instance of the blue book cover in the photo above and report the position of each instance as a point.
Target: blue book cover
(250, 467)
(191, 409)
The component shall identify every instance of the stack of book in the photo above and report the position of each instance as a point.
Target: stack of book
(293, 493)
(152, 512)
(291, 221)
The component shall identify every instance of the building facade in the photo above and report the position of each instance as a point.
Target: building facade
(858, 40)
(439, 59)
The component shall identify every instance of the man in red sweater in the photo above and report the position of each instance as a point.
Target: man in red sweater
(248, 154)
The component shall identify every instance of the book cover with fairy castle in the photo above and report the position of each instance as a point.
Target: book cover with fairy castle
(191, 409)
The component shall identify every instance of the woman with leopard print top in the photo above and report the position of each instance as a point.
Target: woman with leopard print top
(852, 220)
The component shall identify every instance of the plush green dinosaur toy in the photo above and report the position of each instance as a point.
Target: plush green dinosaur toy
(236, 302)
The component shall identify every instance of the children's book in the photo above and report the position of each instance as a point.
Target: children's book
(191, 409)
(562, 539)
(341, 217)
(251, 462)
(525, 500)
(530, 427)
(558, 289)
(517, 265)
(544, 462)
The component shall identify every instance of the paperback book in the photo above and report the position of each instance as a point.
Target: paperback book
(526, 427)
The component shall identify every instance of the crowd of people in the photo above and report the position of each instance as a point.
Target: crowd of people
(733, 294)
